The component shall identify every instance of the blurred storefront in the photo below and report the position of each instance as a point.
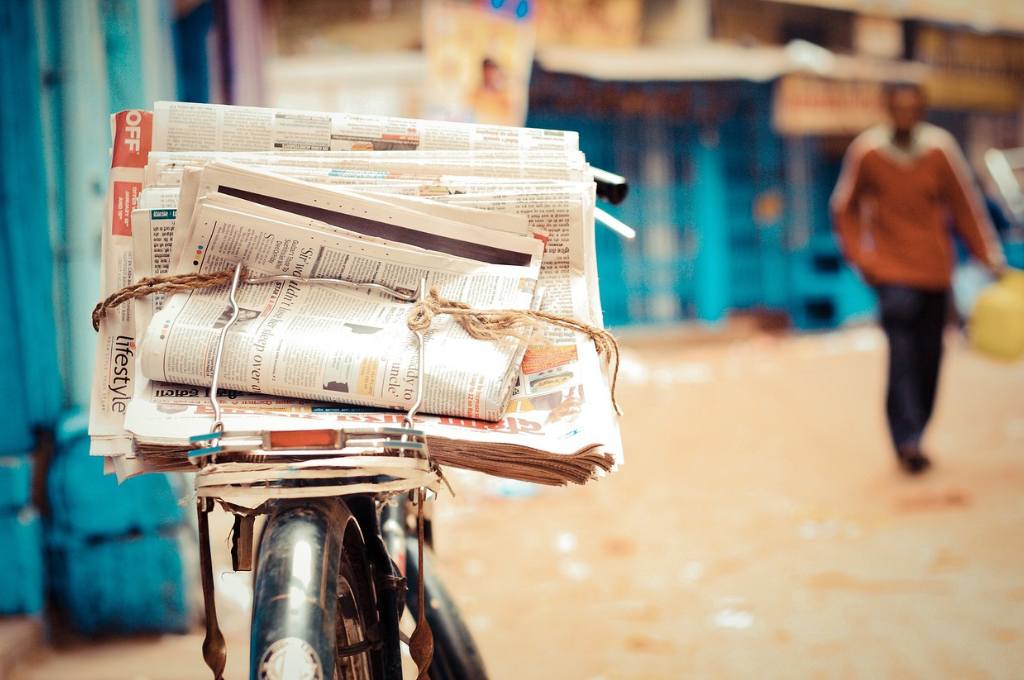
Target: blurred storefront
(732, 117)
(729, 116)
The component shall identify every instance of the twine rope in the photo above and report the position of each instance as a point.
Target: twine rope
(494, 324)
(165, 283)
(481, 324)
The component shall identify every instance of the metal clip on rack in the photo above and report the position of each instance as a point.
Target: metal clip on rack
(380, 460)
(286, 445)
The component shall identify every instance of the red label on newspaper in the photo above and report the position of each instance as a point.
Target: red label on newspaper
(133, 137)
(124, 197)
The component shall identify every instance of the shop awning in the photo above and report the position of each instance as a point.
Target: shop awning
(717, 61)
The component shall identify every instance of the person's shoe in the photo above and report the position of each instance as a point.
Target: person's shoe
(912, 460)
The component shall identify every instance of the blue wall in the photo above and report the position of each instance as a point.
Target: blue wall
(64, 67)
(30, 378)
(730, 215)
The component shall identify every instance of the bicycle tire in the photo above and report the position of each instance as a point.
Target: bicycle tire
(456, 656)
(312, 607)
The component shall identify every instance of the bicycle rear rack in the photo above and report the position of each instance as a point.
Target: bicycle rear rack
(235, 466)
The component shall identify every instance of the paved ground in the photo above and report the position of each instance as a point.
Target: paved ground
(758, 529)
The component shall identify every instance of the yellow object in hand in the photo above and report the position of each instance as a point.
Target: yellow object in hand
(996, 327)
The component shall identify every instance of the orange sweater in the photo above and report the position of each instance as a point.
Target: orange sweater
(892, 209)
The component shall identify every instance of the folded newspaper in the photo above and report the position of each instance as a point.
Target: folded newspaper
(492, 217)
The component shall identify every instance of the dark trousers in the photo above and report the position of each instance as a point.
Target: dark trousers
(913, 321)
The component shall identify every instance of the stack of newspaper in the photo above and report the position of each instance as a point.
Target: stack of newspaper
(494, 217)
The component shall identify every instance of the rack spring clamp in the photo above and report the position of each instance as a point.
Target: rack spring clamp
(272, 460)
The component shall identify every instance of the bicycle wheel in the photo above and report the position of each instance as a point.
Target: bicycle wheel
(353, 660)
(456, 656)
(313, 603)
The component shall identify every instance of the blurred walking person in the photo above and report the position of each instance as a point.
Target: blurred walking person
(901, 184)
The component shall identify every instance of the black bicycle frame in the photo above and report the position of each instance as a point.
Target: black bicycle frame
(383, 534)
(324, 525)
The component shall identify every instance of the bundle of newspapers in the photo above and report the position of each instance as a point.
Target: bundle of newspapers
(492, 217)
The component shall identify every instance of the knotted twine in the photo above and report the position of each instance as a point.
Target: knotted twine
(480, 324)
(166, 283)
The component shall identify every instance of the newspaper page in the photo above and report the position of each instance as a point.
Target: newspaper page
(562, 407)
(465, 232)
(316, 342)
(166, 169)
(561, 404)
(358, 212)
(181, 126)
(565, 217)
(153, 227)
(201, 127)
(569, 415)
(115, 350)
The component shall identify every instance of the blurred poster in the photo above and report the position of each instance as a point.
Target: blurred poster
(877, 36)
(971, 71)
(478, 60)
(809, 105)
(598, 24)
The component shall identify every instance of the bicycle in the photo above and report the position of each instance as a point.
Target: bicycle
(334, 557)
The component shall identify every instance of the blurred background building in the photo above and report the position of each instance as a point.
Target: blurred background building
(729, 117)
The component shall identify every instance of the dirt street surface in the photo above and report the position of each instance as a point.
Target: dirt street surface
(759, 528)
